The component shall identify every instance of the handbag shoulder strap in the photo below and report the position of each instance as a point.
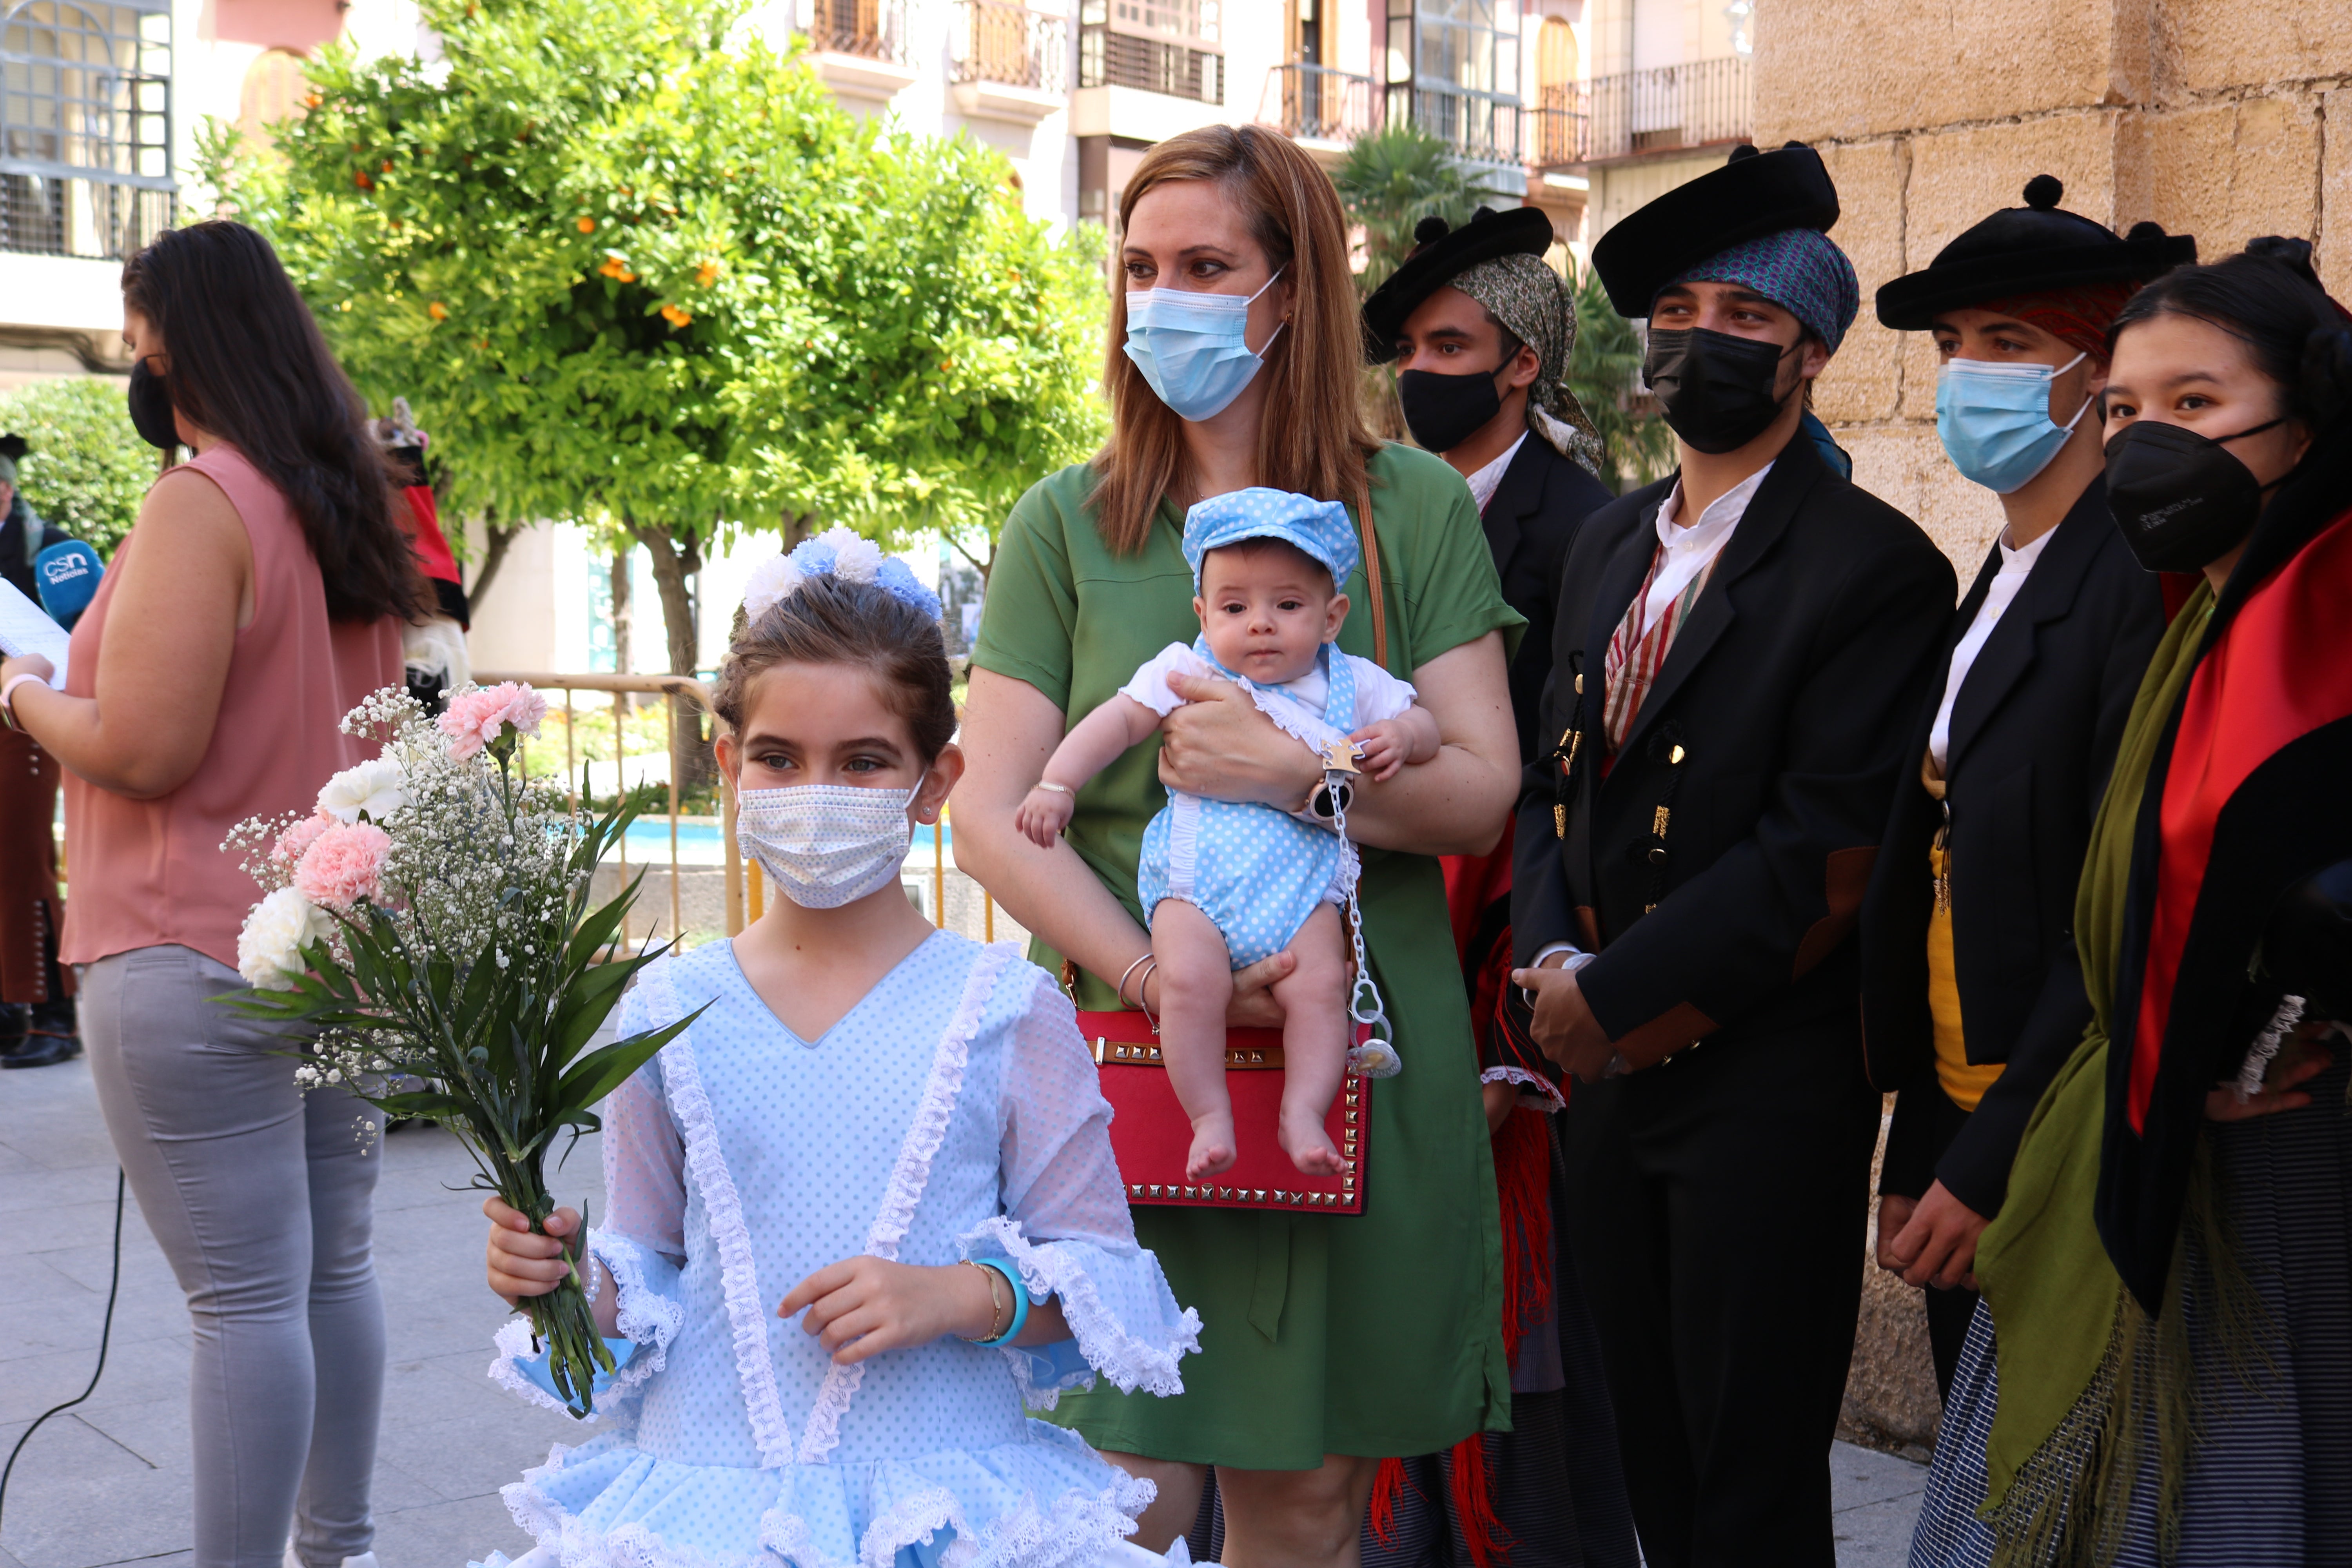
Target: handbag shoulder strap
(1372, 582)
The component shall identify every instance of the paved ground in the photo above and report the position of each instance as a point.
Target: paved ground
(108, 1482)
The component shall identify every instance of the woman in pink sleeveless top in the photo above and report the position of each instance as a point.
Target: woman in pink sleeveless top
(259, 599)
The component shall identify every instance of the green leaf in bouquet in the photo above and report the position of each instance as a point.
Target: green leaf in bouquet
(587, 1002)
(602, 1070)
(430, 1103)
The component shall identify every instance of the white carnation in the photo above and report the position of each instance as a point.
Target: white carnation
(854, 558)
(772, 581)
(270, 948)
(372, 787)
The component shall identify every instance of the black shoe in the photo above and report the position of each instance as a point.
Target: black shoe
(38, 1050)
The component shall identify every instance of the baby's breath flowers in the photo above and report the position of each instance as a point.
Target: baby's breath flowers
(432, 920)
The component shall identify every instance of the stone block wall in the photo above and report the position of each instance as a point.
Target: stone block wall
(2210, 117)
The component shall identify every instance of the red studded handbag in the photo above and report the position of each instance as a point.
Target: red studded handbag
(1149, 1134)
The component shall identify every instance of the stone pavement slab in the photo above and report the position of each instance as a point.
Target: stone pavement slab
(108, 1482)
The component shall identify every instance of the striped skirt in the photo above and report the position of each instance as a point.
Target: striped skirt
(2269, 1484)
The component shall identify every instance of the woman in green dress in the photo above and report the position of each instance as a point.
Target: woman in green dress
(1329, 1342)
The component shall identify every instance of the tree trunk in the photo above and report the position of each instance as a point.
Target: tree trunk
(800, 527)
(496, 540)
(624, 619)
(678, 556)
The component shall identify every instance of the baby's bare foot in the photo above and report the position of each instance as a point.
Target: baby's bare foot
(1212, 1146)
(1311, 1148)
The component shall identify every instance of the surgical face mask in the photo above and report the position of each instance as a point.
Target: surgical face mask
(1995, 419)
(825, 845)
(2182, 499)
(1192, 347)
(1443, 410)
(150, 408)
(1718, 392)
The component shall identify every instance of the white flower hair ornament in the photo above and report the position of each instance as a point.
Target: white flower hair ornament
(835, 553)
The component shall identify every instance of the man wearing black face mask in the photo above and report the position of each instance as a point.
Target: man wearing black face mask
(1482, 329)
(1737, 653)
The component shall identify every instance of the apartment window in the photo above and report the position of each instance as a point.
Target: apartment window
(1452, 66)
(85, 126)
(1172, 46)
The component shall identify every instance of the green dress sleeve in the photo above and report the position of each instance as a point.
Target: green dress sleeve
(1028, 626)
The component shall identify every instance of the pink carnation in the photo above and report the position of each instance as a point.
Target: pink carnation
(476, 719)
(288, 851)
(343, 865)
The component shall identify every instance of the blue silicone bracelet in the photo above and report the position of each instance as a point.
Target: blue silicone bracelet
(1020, 1304)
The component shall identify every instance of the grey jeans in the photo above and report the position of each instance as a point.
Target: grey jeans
(263, 1200)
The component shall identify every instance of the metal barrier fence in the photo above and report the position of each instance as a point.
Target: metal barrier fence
(745, 891)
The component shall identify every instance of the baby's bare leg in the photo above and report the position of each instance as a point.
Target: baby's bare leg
(1196, 984)
(1314, 998)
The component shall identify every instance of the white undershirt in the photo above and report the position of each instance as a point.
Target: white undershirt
(1488, 480)
(1692, 548)
(2015, 564)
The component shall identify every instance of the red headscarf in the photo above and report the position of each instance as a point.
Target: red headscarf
(2080, 316)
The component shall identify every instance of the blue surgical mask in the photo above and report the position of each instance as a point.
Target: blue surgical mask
(1192, 347)
(1995, 419)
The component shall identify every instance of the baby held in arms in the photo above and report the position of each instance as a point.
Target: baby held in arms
(1224, 884)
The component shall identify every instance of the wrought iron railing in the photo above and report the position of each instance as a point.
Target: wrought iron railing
(1702, 103)
(1152, 65)
(1559, 131)
(1315, 103)
(871, 29)
(74, 216)
(999, 41)
(1482, 127)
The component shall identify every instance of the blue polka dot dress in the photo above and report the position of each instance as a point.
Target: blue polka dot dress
(1256, 872)
(952, 1114)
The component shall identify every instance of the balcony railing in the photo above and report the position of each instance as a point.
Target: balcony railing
(1703, 103)
(1107, 58)
(1315, 103)
(870, 29)
(78, 217)
(1556, 137)
(998, 41)
(1479, 126)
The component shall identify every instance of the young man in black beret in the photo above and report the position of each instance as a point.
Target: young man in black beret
(1737, 653)
(1481, 330)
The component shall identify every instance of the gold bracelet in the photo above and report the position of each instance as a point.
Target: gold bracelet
(995, 1303)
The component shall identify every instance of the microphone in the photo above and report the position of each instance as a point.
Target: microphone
(67, 575)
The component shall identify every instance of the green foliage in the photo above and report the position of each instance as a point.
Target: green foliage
(1395, 177)
(632, 266)
(1604, 372)
(88, 470)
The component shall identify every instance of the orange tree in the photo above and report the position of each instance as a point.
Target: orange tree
(635, 267)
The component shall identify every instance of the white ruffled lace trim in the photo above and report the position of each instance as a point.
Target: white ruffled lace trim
(738, 1270)
(513, 1342)
(643, 1314)
(1536, 1084)
(1071, 1534)
(576, 1545)
(909, 1176)
(1130, 1363)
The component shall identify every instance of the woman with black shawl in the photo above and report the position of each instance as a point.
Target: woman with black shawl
(2162, 1369)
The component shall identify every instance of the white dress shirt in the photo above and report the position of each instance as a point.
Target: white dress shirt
(1488, 480)
(2015, 564)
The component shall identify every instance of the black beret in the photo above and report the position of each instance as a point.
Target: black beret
(1440, 253)
(1754, 195)
(2028, 250)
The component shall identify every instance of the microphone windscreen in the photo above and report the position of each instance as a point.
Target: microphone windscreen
(67, 575)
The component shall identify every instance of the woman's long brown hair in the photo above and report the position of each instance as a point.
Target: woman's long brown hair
(1318, 445)
(249, 365)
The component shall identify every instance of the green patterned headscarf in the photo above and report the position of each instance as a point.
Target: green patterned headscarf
(1534, 305)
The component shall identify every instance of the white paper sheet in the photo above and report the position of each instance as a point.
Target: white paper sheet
(26, 627)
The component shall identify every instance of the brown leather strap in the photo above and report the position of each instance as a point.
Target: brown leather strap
(1372, 583)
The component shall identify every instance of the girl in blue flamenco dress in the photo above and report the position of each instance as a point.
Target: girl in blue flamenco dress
(864, 1208)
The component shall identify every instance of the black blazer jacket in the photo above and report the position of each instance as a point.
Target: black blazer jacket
(1530, 522)
(1718, 868)
(2034, 732)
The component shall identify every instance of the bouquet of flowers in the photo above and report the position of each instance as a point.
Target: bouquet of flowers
(433, 919)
